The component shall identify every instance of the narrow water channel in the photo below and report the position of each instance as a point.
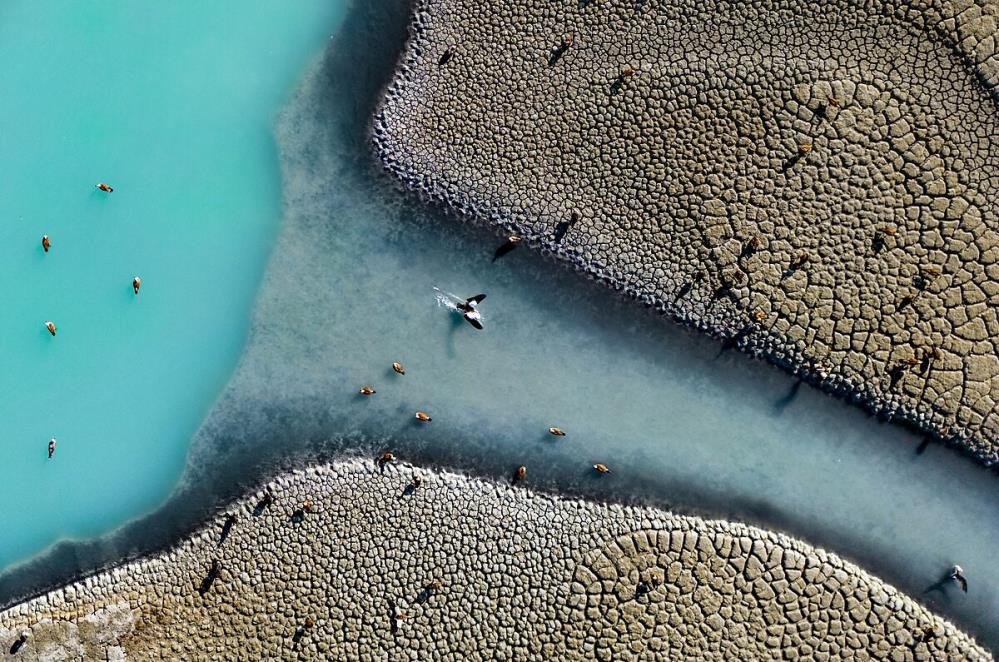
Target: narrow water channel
(680, 422)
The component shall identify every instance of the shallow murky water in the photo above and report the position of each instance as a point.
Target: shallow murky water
(350, 289)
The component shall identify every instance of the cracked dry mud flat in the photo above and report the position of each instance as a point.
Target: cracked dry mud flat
(817, 181)
(471, 569)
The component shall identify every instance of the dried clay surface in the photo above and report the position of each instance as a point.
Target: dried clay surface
(815, 181)
(354, 562)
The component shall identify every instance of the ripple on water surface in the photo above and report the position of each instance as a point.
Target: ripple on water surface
(147, 97)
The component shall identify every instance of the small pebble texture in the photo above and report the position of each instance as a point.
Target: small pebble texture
(815, 181)
(465, 569)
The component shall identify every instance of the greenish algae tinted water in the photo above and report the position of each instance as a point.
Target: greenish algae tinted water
(173, 104)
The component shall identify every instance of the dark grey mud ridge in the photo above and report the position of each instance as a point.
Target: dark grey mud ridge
(814, 182)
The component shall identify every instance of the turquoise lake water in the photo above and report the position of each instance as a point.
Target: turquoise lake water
(349, 289)
(173, 104)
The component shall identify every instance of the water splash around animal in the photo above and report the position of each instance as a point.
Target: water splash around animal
(451, 301)
(447, 299)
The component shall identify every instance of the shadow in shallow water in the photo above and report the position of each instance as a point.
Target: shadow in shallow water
(785, 401)
(349, 291)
